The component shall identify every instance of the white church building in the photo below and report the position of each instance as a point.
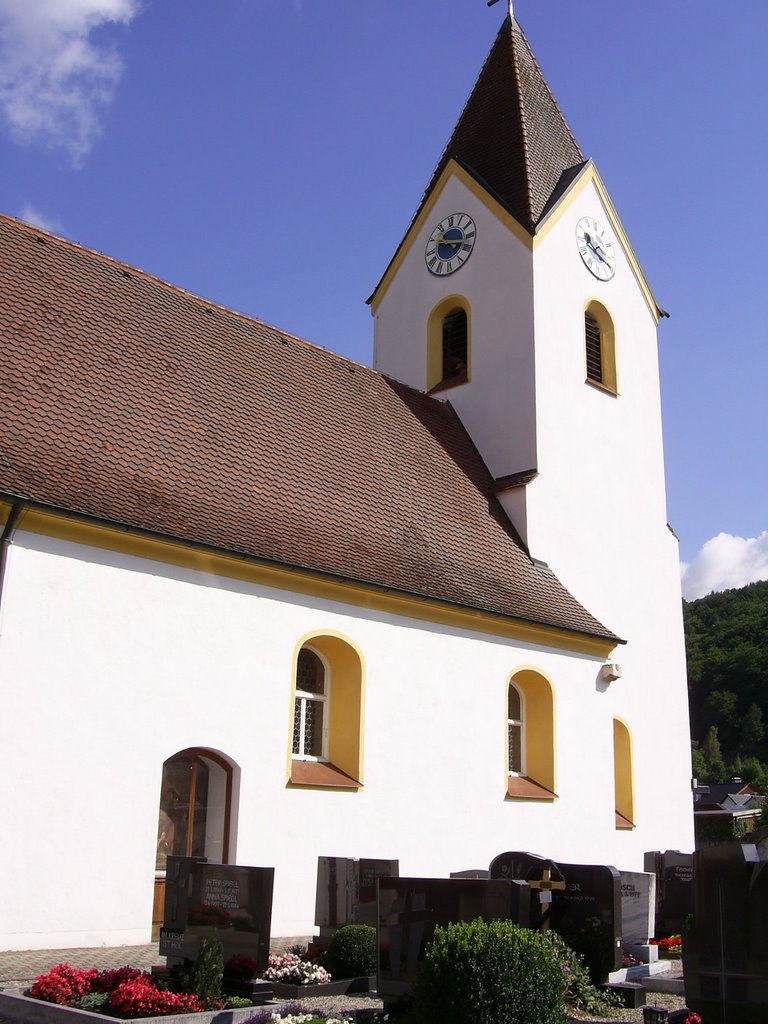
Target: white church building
(261, 603)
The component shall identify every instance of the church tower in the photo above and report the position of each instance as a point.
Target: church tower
(516, 296)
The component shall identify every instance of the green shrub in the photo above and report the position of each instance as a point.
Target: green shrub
(352, 951)
(580, 993)
(205, 979)
(497, 973)
(93, 1001)
(237, 1003)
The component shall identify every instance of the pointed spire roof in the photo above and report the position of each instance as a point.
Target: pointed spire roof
(512, 136)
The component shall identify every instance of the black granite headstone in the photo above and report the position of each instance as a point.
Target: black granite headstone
(674, 889)
(725, 953)
(346, 891)
(230, 900)
(585, 908)
(411, 908)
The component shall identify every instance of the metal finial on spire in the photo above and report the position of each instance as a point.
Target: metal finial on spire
(510, 4)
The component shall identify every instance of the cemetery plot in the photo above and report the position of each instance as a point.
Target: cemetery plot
(582, 902)
(203, 899)
(411, 908)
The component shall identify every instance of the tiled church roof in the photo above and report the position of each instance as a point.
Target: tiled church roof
(511, 134)
(129, 400)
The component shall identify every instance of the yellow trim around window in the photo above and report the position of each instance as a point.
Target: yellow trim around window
(539, 727)
(345, 665)
(622, 772)
(610, 380)
(435, 339)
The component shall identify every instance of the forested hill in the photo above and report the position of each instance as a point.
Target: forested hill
(727, 642)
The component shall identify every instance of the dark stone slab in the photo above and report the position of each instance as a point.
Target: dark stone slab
(584, 908)
(725, 953)
(674, 889)
(411, 908)
(346, 890)
(472, 873)
(630, 993)
(230, 900)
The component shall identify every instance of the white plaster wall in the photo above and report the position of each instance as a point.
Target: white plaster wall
(498, 404)
(597, 511)
(109, 664)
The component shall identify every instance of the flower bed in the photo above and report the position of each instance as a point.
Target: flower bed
(671, 946)
(291, 969)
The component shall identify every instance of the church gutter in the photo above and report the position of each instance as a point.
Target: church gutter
(5, 541)
(548, 635)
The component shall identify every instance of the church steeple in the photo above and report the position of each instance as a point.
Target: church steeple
(512, 136)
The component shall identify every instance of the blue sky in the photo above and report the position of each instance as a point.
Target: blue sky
(269, 154)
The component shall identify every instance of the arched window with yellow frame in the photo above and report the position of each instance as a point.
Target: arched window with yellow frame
(623, 780)
(448, 343)
(530, 736)
(600, 347)
(326, 732)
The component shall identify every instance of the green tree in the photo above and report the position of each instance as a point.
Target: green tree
(752, 731)
(713, 757)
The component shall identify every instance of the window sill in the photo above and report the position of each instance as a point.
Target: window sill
(449, 382)
(623, 824)
(519, 787)
(320, 774)
(602, 387)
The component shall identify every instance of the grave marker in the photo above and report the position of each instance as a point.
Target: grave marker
(586, 912)
(230, 900)
(411, 908)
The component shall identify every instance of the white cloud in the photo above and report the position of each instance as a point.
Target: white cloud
(55, 78)
(29, 214)
(725, 562)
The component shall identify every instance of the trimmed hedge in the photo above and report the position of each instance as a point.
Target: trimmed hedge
(490, 973)
(352, 951)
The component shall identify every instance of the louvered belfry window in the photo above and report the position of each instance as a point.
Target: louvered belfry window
(594, 349)
(455, 345)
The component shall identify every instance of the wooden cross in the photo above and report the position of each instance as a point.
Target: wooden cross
(545, 885)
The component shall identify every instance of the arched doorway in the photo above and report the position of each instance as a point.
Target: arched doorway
(194, 814)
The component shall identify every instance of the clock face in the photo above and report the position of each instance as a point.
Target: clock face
(596, 248)
(450, 244)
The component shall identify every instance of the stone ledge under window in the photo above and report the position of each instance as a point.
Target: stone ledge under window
(624, 823)
(522, 788)
(320, 773)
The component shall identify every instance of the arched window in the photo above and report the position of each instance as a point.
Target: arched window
(194, 816)
(515, 735)
(530, 739)
(310, 717)
(327, 724)
(455, 346)
(448, 344)
(623, 781)
(195, 796)
(600, 347)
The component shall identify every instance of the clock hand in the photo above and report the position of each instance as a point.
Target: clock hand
(448, 241)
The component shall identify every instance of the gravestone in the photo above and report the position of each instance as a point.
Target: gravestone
(346, 891)
(471, 873)
(585, 905)
(638, 913)
(674, 889)
(411, 908)
(725, 953)
(204, 899)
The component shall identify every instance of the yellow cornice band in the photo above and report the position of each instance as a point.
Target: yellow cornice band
(188, 556)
